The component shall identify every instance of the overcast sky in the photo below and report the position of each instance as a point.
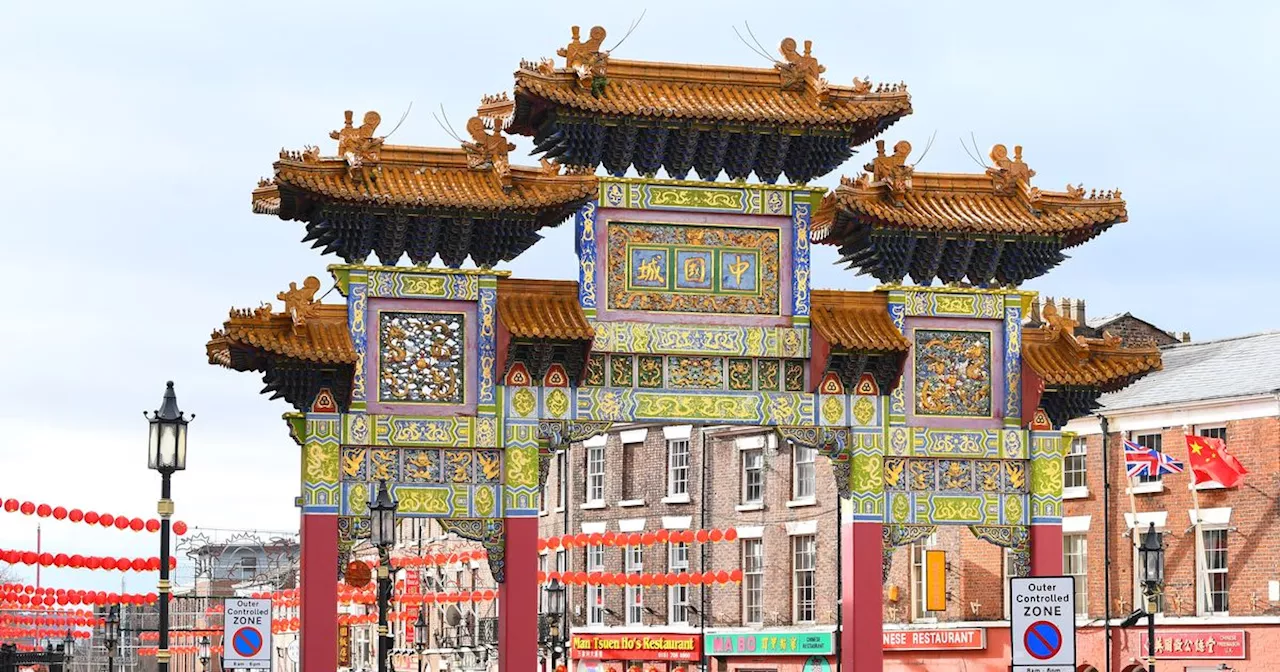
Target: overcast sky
(135, 132)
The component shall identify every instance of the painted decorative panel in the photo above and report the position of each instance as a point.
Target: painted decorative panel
(411, 285)
(761, 408)
(678, 339)
(981, 305)
(421, 358)
(952, 375)
(693, 269)
(585, 241)
(696, 373)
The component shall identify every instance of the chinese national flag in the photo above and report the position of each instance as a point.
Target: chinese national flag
(1210, 461)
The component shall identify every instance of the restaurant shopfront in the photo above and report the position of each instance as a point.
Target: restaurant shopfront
(634, 652)
(788, 650)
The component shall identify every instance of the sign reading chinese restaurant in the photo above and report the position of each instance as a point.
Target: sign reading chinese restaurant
(630, 646)
(949, 639)
(1198, 644)
(770, 644)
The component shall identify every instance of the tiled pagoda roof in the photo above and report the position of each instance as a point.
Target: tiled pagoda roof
(592, 109)
(542, 309)
(1062, 359)
(988, 227)
(397, 200)
(855, 321)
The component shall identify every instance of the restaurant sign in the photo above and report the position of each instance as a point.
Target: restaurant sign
(770, 644)
(634, 647)
(1198, 644)
(949, 639)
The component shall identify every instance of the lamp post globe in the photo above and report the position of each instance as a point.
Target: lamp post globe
(420, 635)
(382, 516)
(204, 653)
(166, 453)
(1151, 556)
(68, 645)
(382, 532)
(111, 636)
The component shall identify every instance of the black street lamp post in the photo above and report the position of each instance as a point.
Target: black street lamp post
(555, 610)
(204, 654)
(166, 453)
(68, 645)
(382, 527)
(420, 635)
(111, 636)
(1152, 558)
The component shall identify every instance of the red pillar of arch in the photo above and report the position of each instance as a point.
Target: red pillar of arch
(518, 595)
(1046, 549)
(318, 588)
(862, 601)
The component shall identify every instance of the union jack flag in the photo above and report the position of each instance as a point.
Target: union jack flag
(1143, 461)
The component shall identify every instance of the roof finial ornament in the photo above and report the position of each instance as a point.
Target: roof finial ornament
(300, 303)
(892, 170)
(357, 145)
(797, 68)
(587, 59)
(862, 85)
(1007, 173)
(490, 150)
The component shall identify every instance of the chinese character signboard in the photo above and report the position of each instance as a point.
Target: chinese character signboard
(951, 639)
(634, 647)
(344, 646)
(1198, 644)
(770, 644)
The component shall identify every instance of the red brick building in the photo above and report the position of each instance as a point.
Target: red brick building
(1221, 602)
(782, 503)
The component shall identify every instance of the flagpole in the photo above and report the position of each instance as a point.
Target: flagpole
(1202, 572)
(1104, 426)
(1133, 511)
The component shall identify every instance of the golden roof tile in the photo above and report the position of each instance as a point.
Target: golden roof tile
(792, 92)
(544, 309)
(422, 177)
(306, 330)
(855, 321)
(1063, 359)
(999, 201)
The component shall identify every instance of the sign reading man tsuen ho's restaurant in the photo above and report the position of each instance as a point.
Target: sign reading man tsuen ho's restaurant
(634, 647)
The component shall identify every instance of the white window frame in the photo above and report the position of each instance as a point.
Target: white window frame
(747, 457)
(753, 581)
(594, 492)
(918, 613)
(1076, 462)
(562, 480)
(633, 563)
(1079, 556)
(678, 595)
(1203, 571)
(1146, 484)
(1006, 573)
(804, 578)
(594, 562)
(1218, 431)
(543, 559)
(804, 473)
(678, 454)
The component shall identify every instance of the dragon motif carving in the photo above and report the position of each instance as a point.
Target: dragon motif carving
(488, 151)
(357, 145)
(892, 170)
(797, 69)
(1009, 174)
(300, 302)
(587, 59)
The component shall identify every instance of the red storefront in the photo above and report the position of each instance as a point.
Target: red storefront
(634, 651)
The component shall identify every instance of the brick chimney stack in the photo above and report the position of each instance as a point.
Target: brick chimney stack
(1185, 337)
(1080, 312)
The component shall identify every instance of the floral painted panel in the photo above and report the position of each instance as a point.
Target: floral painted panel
(693, 269)
(953, 373)
(420, 358)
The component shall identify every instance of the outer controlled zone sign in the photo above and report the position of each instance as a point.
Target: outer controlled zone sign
(1043, 623)
(246, 635)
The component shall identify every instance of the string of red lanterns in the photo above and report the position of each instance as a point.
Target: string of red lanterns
(51, 621)
(40, 633)
(150, 651)
(637, 538)
(181, 635)
(638, 579)
(84, 561)
(24, 594)
(90, 517)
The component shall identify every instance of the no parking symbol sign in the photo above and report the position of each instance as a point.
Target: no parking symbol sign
(1043, 626)
(246, 635)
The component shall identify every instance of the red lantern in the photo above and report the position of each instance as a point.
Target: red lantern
(44, 510)
(542, 545)
(106, 519)
(722, 576)
(45, 559)
(10, 505)
(92, 562)
(173, 562)
(635, 538)
(595, 539)
(30, 558)
(75, 515)
(122, 523)
(701, 536)
(735, 575)
(153, 525)
(27, 508)
(108, 562)
(59, 513)
(179, 528)
(153, 564)
(731, 534)
(91, 517)
(716, 535)
(138, 565)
